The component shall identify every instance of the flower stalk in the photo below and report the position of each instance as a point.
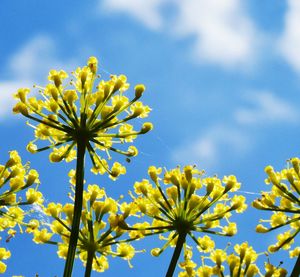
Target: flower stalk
(176, 254)
(77, 206)
(89, 263)
(296, 269)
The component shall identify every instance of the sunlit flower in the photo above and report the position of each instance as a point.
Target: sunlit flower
(72, 112)
(189, 204)
(99, 235)
(16, 191)
(4, 255)
(220, 262)
(15, 179)
(284, 201)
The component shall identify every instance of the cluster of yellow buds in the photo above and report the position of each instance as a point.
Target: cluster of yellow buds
(99, 230)
(242, 262)
(284, 202)
(16, 178)
(98, 118)
(4, 255)
(189, 204)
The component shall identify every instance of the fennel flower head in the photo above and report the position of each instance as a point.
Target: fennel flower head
(225, 262)
(99, 232)
(283, 200)
(186, 204)
(16, 191)
(86, 110)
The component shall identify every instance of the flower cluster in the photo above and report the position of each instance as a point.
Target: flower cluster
(68, 115)
(284, 202)
(189, 204)
(99, 229)
(15, 178)
(4, 255)
(242, 262)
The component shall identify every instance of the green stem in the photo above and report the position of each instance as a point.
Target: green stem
(89, 263)
(77, 207)
(296, 270)
(176, 254)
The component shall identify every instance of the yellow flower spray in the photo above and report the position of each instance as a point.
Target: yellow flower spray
(73, 115)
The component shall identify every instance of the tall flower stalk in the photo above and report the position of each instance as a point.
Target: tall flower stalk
(86, 119)
(189, 205)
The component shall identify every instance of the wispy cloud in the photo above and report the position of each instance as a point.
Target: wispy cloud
(289, 43)
(145, 11)
(27, 66)
(257, 109)
(32, 59)
(207, 149)
(266, 108)
(7, 88)
(223, 32)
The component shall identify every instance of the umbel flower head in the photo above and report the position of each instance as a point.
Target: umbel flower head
(72, 112)
(284, 201)
(188, 205)
(99, 235)
(218, 262)
(15, 178)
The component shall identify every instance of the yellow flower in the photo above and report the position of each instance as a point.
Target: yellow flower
(189, 204)
(41, 236)
(205, 244)
(16, 190)
(283, 201)
(218, 256)
(100, 231)
(242, 262)
(97, 116)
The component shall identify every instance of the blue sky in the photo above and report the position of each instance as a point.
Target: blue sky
(222, 79)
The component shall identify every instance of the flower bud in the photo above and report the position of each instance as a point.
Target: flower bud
(155, 252)
(261, 229)
(139, 89)
(188, 172)
(147, 126)
(93, 64)
(31, 148)
(132, 151)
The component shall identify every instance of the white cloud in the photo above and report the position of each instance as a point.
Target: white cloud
(206, 150)
(266, 108)
(223, 33)
(289, 43)
(235, 138)
(146, 11)
(29, 65)
(35, 58)
(7, 89)
(32, 58)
